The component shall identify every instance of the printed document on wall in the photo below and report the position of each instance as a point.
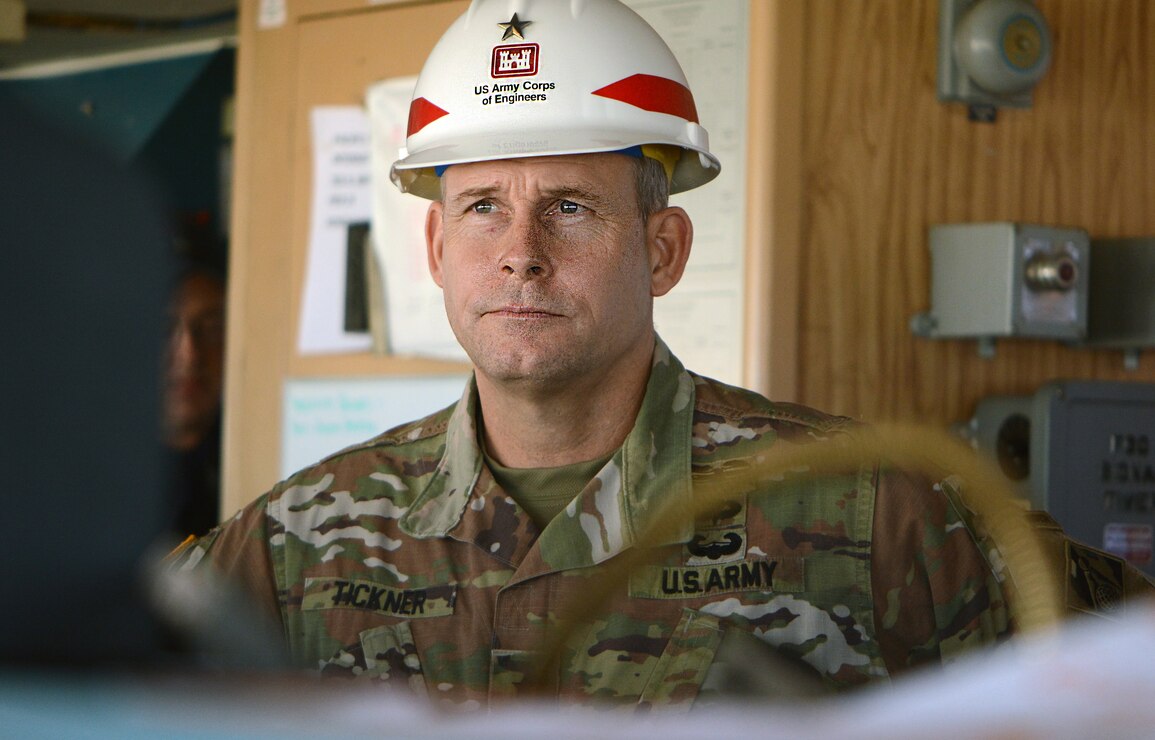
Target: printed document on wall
(703, 318)
(415, 311)
(341, 197)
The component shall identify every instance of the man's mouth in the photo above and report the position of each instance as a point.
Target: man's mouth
(522, 311)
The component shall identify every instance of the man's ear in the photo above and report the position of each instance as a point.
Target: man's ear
(434, 240)
(669, 234)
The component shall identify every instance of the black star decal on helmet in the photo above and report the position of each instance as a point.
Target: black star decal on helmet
(515, 27)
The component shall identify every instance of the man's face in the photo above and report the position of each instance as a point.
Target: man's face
(194, 360)
(545, 267)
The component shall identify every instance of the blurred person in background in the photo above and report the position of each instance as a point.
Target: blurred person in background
(193, 383)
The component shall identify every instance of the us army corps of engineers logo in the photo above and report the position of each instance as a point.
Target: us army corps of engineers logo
(514, 60)
(519, 60)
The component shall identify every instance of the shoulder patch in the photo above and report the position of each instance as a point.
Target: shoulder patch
(713, 397)
(1095, 581)
(181, 548)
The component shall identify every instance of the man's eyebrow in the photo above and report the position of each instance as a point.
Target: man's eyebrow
(588, 194)
(474, 193)
(583, 193)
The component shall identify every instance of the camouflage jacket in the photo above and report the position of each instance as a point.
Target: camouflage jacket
(400, 559)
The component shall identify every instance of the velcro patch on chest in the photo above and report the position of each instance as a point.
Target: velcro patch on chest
(780, 575)
(709, 548)
(413, 603)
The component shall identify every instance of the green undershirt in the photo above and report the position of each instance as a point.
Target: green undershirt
(544, 492)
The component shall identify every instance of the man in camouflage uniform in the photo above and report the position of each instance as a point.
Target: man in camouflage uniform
(509, 543)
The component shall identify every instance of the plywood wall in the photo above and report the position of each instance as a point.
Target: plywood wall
(883, 159)
(318, 53)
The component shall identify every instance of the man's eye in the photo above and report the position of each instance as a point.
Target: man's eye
(568, 207)
(483, 207)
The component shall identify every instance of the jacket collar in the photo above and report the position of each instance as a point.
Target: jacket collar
(649, 472)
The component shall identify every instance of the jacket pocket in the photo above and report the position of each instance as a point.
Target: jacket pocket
(385, 653)
(709, 659)
(682, 667)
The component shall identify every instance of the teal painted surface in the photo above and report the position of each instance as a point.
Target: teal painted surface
(162, 117)
(118, 108)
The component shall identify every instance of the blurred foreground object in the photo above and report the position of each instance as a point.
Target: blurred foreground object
(85, 261)
(1084, 679)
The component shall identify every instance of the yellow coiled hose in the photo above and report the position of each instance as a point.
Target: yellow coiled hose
(1033, 577)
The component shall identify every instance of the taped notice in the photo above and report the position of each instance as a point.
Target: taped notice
(272, 14)
(1132, 542)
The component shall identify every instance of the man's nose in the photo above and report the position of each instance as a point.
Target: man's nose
(182, 344)
(524, 250)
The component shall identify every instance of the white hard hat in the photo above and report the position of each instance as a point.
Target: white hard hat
(526, 78)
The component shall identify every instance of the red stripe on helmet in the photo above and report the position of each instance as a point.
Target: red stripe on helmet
(421, 114)
(657, 94)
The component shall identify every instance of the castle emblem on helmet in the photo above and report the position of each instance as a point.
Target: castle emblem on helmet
(519, 60)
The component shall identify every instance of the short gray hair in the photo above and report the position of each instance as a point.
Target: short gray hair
(653, 186)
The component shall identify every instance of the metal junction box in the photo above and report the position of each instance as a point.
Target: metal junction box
(1121, 308)
(1005, 279)
(1084, 451)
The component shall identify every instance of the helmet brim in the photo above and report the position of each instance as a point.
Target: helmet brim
(417, 173)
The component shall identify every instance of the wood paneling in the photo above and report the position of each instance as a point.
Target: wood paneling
(773, 197)
(883, 160)
(319, 56)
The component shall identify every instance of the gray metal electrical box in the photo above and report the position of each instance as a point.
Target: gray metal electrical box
(1007, 279)
(1121, 308)
(1097, 464)
(1084, 451)
(1001, 429)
